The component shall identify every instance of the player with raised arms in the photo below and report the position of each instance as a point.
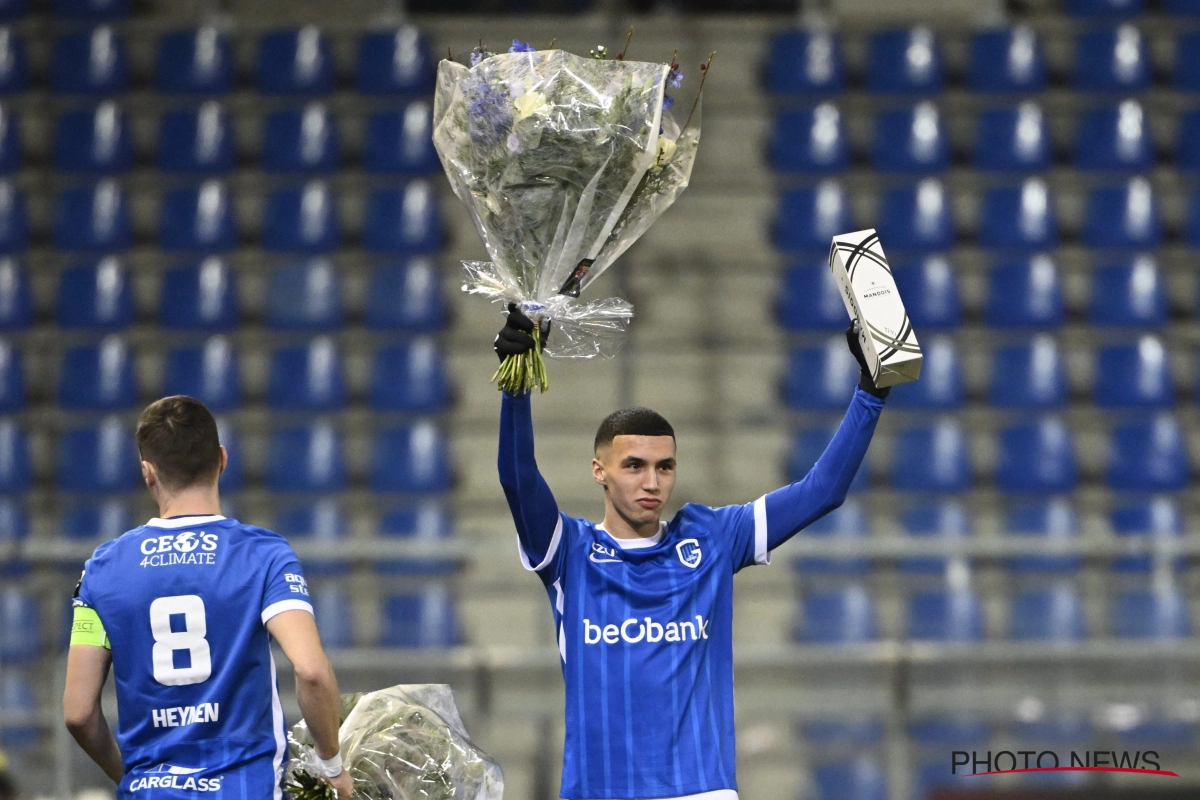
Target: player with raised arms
(183, 609)
(644, 608)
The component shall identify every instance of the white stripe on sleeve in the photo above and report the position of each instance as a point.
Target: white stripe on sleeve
(550, 551)
(285, 605)
(761, 554)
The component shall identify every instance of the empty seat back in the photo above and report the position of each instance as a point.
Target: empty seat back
(1157, 519)
(405, 295)
(1028, 375)
(859, 779)
(12, 378)
(946, 519)
(1128, 294)
(930, 292)
(301, 219)
(307, 378)
(93, 140)
(1053, 520)
(1036, 457)
(805, 62)
(820, 377)
(16, 303)
(1025, 294)
(199, 296)
(199, 219)
(394, 62)
(809, 299)
(100, 377)
(426, 521)
(1124, 216)
(334, 614)
(401, 141)
(941, 385)
(1053, 614)
(93, 520)
(424, 619)
(99, 458)
(1019, 218)
(93, 219)
(911, 140)
(807, 218)
(301, 140)
(1111, 60)
(295, 62)
(305, 296)
(14, 63)
(306, 459)
(403, 220)
(90, 62)
(1151, 614)
(409, 377)
(1114, 138)
(904, 62)
(809, 141)
(848, 521)
(196, 140)
(1134, 376)
(20, 626)
(16, 474)
(837, 616)
(916, 218)
(323, 522)
(1149, 456)
(96, 295)
(951, 615)
(410, 459)
(1006, 60)
(208, 372)
(1012, 139)
(196, 61)
(932, 458)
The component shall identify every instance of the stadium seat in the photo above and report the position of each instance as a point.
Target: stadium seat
(401, 141)
(90, 62)
(940, 519)
(1054, 730)
(847, 522)
(1173, 733)
(321, 521)
(1028, 376)
(941, 385)
(805, 62)
(12, 378)
(97, 520)
(405, 295)
(20, 626)
(199, 296)
(1104, 8)
(20, 706)
(403, 220)
(16, 474)
(1114, 138)
(11, 154)
(14, 63)
(16, 304)
(911, 140)
(1157, 519)
(1006, 60)
(930, 292)
(1149, 456)
(950, 615)
(931, 458)
(301, 140)
(809, 141)
(14, 220)
(808, 218)
(1151, 614)
(849, 731)
(809, 300)
(424, 619)
(198, 219)
(14, 528)
(916, 218)
(295, 62)
(198, 61)
(95, 295)
(94, 219)
(415, 458)
(1053, 521)
(98, 458)
(807, 447)
(1134, 376)
(93, 140)
(1019, 218)
(394, 62)
(409, 377)
(305, 296)
(301, 219)
(1130, 295)
(91, 9)
(860, 779)
(904, 62)
(306, 459)
(208, 372)
(1012, 139)
(307, 378)
(198, 141)
(1186, 74)
(1036, 457)
(1025, 294)
(1111, 60)
(426, 521)
(98, 377)
(819, 378)
(335, 618)
(233, 478)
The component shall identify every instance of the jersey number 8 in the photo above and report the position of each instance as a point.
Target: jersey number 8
(191, 639)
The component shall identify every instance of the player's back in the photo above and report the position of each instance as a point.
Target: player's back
(184, 603)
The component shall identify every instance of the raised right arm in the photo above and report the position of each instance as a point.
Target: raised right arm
(533, 508)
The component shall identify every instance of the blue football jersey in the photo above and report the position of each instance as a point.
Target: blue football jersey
(185, 602)
(646, 640)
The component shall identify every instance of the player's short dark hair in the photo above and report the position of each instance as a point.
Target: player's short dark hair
(178, 435)
(636, 421)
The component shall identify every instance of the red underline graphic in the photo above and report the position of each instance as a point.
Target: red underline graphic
(1079, 769)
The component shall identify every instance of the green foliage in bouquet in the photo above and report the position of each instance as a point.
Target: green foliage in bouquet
(522, 373)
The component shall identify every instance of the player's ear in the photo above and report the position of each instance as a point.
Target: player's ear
(598, 472)
(224, 460)
(149, 475)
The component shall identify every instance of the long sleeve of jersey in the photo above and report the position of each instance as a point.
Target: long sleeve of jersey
(529, 497)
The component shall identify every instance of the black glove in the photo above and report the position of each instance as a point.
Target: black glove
(864, 379)
(514, 338)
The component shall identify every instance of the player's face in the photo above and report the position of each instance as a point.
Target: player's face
(638, 474)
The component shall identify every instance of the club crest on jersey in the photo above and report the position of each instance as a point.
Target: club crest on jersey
(689, 553)
(603, 555)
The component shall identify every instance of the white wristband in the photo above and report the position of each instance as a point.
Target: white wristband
(329, 767)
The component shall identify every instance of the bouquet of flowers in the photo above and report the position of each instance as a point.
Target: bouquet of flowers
(402, 743)
(563, 162)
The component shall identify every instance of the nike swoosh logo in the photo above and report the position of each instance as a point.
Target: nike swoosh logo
(592, 556)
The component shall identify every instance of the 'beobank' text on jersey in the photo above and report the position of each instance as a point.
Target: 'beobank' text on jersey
(185, 602)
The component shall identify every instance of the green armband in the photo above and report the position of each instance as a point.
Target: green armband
(88, 629)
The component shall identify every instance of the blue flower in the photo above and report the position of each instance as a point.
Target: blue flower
(521, 47)
(675, 78)
(479, 54)
(489, 112)
(668, 101)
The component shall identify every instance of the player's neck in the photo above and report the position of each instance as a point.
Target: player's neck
(619, 527)
(199, 502)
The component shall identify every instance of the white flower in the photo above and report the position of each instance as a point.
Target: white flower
(666, 151)
(531, 103)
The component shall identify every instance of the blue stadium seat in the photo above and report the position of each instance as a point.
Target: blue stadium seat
(1151, 614)
(198, 61)
(233, 478)
(931, 458)
(820, 378)
(1111, 60)
(1019, 218)
(805, 62)
(847, 522)
(950, 615)
(1055, 522)
(394, 62)
(403, 220)
(1134, 376)
(305, 296)
(1130, 295)
(91, 9)
(307, 378)
(95, 295)
(409, 377)
(208, 372)
(807, 447)
(1029, 375)
(1173, 733)
(809, 300)
(425, 521)
(930, 292)
(14, 63)
(16, 303)
(301, 140)
(415, 458)
(1054, 730)
(12, 378)
(93, 140)
(949, 730)
(916, 218)
(198, 219)
(14, 528)
(405, 295)
(20, 626)
(809, 218)
(1158, 519)
(939, 519)
(1025, 294)
(10, 141)
(1191, 233)
(14, 219)
(97, 520)
(837, 616)
(94, 219)
(1149, 456)
(295, 62)
(849, 731)
(98, 377)
(1036, 457)
(860, 779)
(301, 219)
(1186, 74)
(941, 386)
(1114, 138)
(306, 459)
(905, 61)
(90, 62)
(1012, 139)
(809, 141)
(911, 140)
(1006, 60)
(15, 472)
(321, 521)
(199, 296)
(335, 618)
(19, 703)
(198, 141)
(401, 141)
(1104, 8)
(424, 619)
(98, 458)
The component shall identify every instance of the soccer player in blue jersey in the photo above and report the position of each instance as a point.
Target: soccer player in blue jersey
(183, 609)
(644, 608)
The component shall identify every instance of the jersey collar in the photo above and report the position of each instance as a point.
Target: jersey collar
(184, 522)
